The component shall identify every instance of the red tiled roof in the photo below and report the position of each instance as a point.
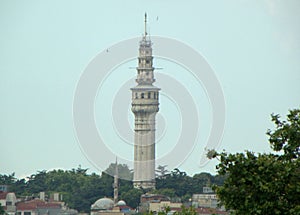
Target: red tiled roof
(3, 195)
(35, 204)
(175, 209)
(124, 207)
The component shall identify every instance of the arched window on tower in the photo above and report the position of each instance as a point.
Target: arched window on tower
(154, 95)
(149, 95)
(142, 95)
(136, 95)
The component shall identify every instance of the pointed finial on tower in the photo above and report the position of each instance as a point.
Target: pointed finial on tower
(145, 25)
(116, 172)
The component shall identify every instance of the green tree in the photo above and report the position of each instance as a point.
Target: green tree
(165, 191)
(161, 171)
(106, 185)
(178, 184)
(37, 182)
(7, 179)
(201, 180)
(176, 180)
(19, 187)
(123, 171)
(264, 183)
(184, 211)
(132, 197)
(2, 211)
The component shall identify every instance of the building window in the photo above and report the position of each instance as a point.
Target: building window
(154, 95)
(136, 95)
(149, 95)
(142, 95)
(147, 61)
(27, 213)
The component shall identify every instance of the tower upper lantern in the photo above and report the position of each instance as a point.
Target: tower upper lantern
(145, 60)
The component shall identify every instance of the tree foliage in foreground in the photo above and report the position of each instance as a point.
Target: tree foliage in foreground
(264, 183)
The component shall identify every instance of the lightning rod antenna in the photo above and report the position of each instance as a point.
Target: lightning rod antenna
(145, 25)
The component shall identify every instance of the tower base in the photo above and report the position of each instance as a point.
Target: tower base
(144, 184)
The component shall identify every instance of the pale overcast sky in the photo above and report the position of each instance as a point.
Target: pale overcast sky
(253, 48)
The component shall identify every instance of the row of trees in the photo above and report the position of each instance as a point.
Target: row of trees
(80, 189)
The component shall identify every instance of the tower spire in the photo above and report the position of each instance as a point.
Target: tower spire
(145, 34)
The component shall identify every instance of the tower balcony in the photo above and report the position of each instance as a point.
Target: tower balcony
(145, 80)
(144, 43)
(141, 108)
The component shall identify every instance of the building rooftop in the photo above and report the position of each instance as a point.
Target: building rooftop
(3, 195)
(36, 204)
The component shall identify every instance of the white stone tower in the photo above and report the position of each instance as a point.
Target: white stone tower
(144, 106)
